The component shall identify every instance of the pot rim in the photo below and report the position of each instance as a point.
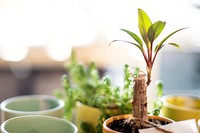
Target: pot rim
(111, 119)
(118, 117)
(43, 117)
(165, 103)
(4, 104)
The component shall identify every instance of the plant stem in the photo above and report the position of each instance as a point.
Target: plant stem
(136, 103)
(140, 98)
(149, 70)
(144, 112)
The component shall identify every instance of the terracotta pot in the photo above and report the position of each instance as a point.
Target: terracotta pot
(106, 129)
(181, 107)
(89, 115)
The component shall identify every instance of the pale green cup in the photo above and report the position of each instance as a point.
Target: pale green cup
(31, 105)
(37, 124)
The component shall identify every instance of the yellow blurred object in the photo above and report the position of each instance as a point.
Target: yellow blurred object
(89, 115)
(181, 107)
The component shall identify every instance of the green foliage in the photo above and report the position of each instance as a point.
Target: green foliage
(156, 111)
(84, 83)
(87, 128)
(159, 86)
(157, 104)
(149, 32)
(144, 23)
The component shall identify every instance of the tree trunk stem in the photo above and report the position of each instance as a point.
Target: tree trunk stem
(140, 98)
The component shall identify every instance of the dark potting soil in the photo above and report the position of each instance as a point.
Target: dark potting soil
(120, 126)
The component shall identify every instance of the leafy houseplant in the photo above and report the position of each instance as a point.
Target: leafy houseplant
(149, 32)
(84, 84)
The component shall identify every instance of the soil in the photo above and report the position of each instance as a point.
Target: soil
(122, 126)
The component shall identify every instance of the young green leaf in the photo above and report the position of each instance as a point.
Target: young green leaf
(134, 36)
(155, 30)
(144, 23)
(158, 47)
(174, 44)
(135, 44)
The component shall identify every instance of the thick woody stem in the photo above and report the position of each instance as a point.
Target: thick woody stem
(140, 98)
(143, 94)
(136, 103)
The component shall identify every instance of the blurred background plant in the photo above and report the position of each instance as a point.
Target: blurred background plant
(85, 84)
(157, 103)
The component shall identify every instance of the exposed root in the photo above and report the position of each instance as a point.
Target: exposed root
(141, 124)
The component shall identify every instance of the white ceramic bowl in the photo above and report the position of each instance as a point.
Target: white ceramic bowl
(37, 124)
(31, 105)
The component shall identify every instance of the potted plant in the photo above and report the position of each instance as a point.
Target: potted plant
(90, 97)
(139, 118)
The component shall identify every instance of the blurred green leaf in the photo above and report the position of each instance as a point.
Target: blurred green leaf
(84, 83)
(174, 44)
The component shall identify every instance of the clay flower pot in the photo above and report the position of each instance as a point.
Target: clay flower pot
(106, 129)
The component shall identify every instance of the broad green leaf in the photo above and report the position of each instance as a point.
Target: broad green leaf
(161, 43)
(144, 23)
(134, 36)
(155, 30)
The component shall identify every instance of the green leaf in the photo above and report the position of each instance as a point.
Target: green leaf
(134, 36)
(135, 44)
(155, 30)
(156, 111)
(159, 86)
(158, 47)
(174, 44)
(144, 23)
